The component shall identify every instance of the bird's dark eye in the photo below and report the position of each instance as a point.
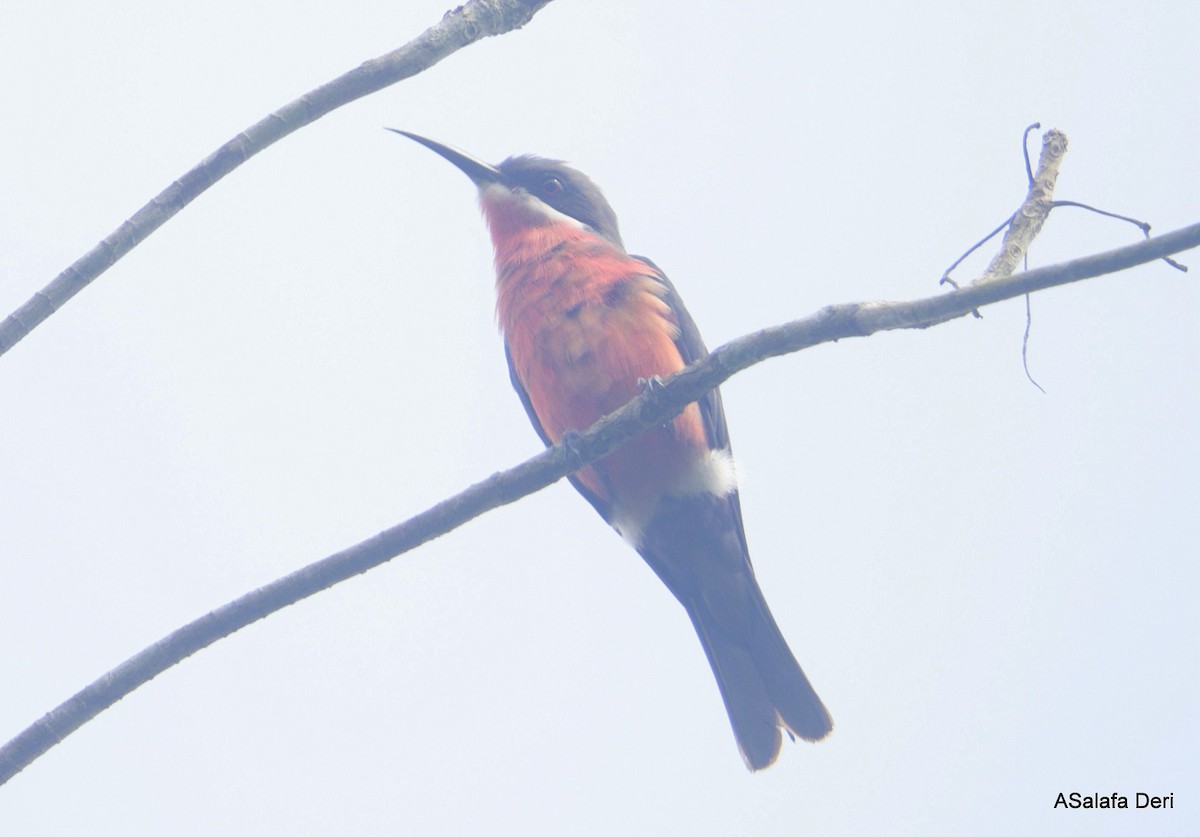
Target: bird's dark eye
(553, 186)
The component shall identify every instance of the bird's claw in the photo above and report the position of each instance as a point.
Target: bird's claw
(650, 384)
(572, 443)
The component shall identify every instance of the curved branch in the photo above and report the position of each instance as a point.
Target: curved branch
(459, 28)
(653, 407)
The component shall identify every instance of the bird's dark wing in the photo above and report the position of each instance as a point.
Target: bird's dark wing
(602, 506)
(696, 544)
(691, 347)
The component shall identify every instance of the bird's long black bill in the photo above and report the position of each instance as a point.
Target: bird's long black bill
(479, 171)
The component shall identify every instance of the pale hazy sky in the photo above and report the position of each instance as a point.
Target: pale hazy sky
(992, 589)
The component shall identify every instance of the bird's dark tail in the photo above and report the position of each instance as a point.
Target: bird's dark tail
(763, 686)
(696, 546)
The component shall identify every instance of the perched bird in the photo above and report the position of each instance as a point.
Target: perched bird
(585, 325)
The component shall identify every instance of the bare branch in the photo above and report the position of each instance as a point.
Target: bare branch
(654, 406)
(1024, 224)
(460, 27)
(1028, 220)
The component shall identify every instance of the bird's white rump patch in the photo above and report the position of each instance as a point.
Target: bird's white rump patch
(714, 473)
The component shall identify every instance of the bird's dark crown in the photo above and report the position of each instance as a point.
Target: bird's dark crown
(567, 190)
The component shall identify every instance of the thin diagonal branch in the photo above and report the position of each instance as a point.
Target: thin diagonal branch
(1023, 225)
(1141, 225)
(653, 407)
(1028, 220)
(460, 27)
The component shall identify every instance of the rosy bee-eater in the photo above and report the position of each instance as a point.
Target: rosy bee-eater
(585, 326)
